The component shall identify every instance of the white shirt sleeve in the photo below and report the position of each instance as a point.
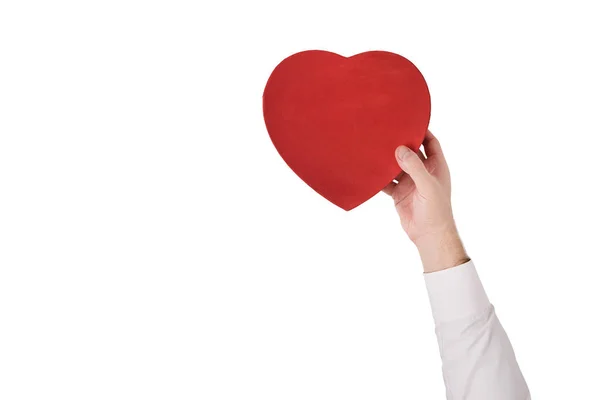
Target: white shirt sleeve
(478, 361)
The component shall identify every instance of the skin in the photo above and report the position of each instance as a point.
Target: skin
(421, 194)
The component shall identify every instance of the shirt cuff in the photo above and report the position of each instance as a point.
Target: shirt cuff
(456, 293)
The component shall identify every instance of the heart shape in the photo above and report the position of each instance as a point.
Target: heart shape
(337, 120)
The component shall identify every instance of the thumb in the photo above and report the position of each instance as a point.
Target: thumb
(411, 164)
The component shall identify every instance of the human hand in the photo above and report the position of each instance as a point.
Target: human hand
(421, 195)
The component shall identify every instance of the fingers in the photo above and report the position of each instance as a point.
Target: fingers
(412, 165)
(433, 149)
(403, 185)
(389, 189)
(421, 156)
(432, 145)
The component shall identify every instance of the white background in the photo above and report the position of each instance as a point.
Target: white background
(153, 245)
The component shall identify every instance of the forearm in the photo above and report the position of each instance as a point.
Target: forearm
(441, 250)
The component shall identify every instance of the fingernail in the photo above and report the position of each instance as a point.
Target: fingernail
(402, 152)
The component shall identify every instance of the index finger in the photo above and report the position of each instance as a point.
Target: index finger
(432, 145)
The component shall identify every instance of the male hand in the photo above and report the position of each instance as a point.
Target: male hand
(422, 199)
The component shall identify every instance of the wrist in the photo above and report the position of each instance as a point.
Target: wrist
(441, 250)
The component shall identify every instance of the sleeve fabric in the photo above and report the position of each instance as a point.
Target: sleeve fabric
(478, 361)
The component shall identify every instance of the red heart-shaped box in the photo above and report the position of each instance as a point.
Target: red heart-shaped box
(336, 120)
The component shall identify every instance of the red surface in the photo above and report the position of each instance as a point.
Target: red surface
(336, 121)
